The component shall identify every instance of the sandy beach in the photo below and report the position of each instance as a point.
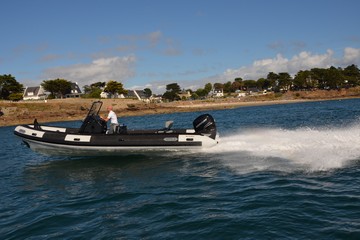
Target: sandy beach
(24, 112)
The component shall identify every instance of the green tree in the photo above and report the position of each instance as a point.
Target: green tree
(273, 79)
(227, 87)
(238, 79)
(218, 86)
(15, 96)
(194, 96)
(208, 88)
(285, 81)
(263, 83)
(50, 86)
(201, 92)
(171, 96)
(57, 87)
(303, 80)
(86, 89)
(352, 75)
(98, 85)
(8, 86)
(235, 85)
(64, 87)
(319, 75)
(95, 93)
(148, 92)
(114, 87)
(334, 78)
(249, 83)
(94, 90)
(173, 87)
(172, 91)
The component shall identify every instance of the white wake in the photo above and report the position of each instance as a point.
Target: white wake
(279, 149)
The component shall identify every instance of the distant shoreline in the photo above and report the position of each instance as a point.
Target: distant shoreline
(24, 112)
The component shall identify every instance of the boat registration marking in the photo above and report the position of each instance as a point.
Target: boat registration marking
(77, 138)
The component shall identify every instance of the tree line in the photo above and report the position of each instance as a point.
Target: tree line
(315, 78)
(112, 87)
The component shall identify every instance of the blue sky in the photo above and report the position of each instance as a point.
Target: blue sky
(190, 42)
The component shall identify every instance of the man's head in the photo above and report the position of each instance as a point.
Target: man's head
(109, 108)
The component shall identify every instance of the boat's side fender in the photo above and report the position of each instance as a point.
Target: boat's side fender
(29, 132)
(77, 138)
(205, 141)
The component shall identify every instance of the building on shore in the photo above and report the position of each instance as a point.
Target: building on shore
(135, 94)
(39, 93)
(75, 91)
(35, 93)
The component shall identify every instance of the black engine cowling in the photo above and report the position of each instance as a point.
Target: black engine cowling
(205, 125)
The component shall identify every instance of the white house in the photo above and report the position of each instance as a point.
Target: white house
(105, 95)
(109, 95)
(75, 91)
(34, 93)
(138, 94)
(217, 93)
(241, 94)
(37, 93)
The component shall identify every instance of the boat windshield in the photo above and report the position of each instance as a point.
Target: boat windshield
(95, 108)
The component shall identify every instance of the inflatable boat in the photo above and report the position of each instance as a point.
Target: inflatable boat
(93, 138)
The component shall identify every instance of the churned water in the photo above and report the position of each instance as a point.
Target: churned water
(279, 172)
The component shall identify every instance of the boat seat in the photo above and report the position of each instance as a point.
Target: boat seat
(120, 129)
(168, 125)
(167, 128)
(165, 131)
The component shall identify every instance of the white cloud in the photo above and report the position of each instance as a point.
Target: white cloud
(122, 69)
(154, 37)
(351, 56)
(302, 61)
(260, 68)
(99, 70)
(150, 40)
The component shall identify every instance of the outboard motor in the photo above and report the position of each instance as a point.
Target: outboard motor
(205, 125)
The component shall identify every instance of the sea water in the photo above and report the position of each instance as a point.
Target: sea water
(287, 171)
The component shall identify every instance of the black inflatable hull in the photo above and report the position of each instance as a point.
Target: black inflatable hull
(92, 139)
(62, 141)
